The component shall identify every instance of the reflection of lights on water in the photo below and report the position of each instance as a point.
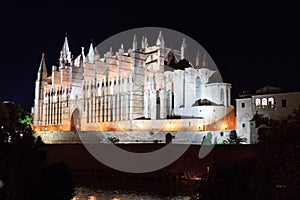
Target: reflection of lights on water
(1, 184)
(9, 139)
(207, 169)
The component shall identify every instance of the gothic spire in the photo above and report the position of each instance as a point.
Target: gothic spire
(158, 41)
(121, 50)
(65, 49)
(82, 55)
(146, 42)
(134, 43)
(111, 51)
(204, 60)
(65, 57)
(183, 49)
(43, 68)
(143, 42)
(162, 41)
(198, 59)
(91, 54)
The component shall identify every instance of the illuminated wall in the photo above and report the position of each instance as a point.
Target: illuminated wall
(129, 91)
(259, 110)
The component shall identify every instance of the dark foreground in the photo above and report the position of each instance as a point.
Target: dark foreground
(188, 166)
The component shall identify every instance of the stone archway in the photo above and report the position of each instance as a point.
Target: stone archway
(75, 120)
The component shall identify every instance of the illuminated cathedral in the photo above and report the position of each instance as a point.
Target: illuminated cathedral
(147, 89)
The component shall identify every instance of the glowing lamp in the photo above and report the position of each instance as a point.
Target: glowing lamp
(170, 126)
(140, 125)
(224, 126)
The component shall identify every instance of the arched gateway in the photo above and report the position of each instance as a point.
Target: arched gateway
(75, 120)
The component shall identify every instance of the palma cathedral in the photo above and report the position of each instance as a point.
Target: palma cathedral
(147, 89)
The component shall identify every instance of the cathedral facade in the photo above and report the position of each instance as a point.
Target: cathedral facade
(143, 89)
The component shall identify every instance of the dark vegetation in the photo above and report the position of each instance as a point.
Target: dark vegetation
(272, 174)
(24, 173)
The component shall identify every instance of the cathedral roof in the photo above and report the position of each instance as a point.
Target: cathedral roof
(204, 102)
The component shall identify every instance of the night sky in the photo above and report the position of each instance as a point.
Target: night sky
(252, 44)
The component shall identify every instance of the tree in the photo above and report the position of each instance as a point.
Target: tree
(273, 173)
(207, 139)
(278, 157)
(24, 172)
(113, 140)
(15, 123)
(234, 139)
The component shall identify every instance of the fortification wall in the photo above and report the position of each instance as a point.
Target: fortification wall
(179, 137)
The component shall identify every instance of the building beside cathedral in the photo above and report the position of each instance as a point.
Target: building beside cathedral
(144, 90)
(262, 108)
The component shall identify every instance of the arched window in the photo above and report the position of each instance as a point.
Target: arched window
(257, 103)
(271, 102)
(198, 88)
(264, 102)
(222, 96)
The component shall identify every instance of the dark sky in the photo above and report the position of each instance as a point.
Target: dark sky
(252, 44)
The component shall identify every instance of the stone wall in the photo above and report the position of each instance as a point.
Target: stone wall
(72, 137)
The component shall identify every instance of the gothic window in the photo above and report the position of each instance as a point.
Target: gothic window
(88, 113)
(198, 88)
(158, 108)
(99, 108)
(222, 96)
(243, 105)
(257, 103)
(264, 102)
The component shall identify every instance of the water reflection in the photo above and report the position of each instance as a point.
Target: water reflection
(109, 189)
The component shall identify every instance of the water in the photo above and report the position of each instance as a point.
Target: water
(92, 188)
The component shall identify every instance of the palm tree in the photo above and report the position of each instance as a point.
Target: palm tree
(234, 139)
